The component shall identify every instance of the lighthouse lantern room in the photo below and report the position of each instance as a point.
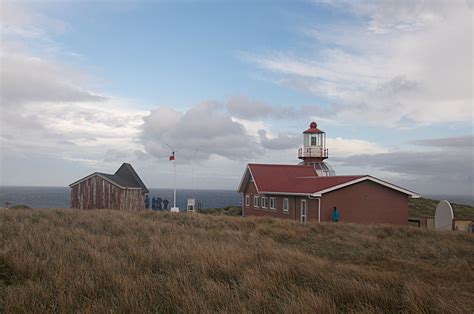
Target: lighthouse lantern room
(314, 150)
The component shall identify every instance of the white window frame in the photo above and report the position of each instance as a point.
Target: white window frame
(247, 200)
(273, 200)
(287, 207)
(264, 202)
(256, 201)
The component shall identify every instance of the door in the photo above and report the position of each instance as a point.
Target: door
(303, 211)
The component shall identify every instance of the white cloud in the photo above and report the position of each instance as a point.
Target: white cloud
(410, 63)
(343, 147)
(48, 108)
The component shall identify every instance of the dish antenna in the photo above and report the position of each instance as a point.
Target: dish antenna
(444, 216)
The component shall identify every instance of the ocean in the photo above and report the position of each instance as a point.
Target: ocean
(58, 197)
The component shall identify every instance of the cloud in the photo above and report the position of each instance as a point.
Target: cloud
(202, 131)
(283, 141)
(49, 109)
(341, 147)
(461, 142)
(27, 79)
(447, 170)
(242, 107)
(20, 22)
(408, 63)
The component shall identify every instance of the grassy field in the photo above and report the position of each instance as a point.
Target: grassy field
(425, 207)
(112, 261)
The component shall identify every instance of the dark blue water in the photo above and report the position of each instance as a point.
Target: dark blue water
(58, 197)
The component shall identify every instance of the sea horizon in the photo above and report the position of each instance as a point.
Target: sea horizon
(59, 196)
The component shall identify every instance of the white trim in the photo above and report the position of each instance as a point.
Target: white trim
(305, 211)
(105, 178)
(287, 205)
(381, 182)
(319, 209)
(247, 197)
(286, 193)
(256, 196)
(242, 180)
(274, 203)
(251, 179)
(254, 181)
(261, 202)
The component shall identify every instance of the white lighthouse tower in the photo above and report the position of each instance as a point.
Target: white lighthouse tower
(314, 151)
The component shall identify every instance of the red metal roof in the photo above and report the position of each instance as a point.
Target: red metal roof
(313, 128)
(293, 179)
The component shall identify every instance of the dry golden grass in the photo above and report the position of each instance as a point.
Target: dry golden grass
(111, 261)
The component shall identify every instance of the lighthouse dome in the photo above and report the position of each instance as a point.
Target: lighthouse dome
(313, 128)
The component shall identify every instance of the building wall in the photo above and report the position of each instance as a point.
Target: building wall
(366, 202)
(254, 211)
(97, 193)
(294, 206)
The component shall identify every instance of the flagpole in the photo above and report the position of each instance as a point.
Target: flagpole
(174, 182)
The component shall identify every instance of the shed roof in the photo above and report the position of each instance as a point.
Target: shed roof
(302, 180)
(124, 177)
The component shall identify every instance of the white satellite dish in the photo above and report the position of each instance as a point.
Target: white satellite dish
(444, 216)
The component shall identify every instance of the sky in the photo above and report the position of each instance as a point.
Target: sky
(88, 85)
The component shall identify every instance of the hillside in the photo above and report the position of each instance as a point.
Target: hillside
(425, 207)
(103, 261)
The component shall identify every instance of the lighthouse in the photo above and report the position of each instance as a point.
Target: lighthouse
(314, 151)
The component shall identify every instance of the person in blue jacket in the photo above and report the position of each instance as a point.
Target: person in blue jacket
(147, 202)
(158, 203)
(335, 215)
(153, 203)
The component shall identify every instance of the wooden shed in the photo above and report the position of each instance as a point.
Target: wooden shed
(123, 190)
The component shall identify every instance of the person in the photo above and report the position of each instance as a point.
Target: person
(165, 204)
(153, 203)
(147, 202)
(335, 215)
(158, 203)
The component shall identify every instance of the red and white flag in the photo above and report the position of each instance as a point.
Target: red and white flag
(172, 156)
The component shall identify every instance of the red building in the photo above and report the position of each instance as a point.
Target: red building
(310, 190)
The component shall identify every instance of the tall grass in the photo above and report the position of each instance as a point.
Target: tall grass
(103, 261)
(425, 207)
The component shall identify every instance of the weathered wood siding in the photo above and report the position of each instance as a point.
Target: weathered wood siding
(97, 193)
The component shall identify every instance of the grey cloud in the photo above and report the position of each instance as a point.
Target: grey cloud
(283, 141)
(466, 141)
(26, 80)
(449, 170)
(200, 132)
(396, 85)
(434, 164)
(117, 155)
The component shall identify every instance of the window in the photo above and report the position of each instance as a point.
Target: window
(313, 140)
(256, 201)
(285, 205)
(247, 200)
(264, 202)
(272, 203)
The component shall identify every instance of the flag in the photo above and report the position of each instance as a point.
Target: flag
(172, 156)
